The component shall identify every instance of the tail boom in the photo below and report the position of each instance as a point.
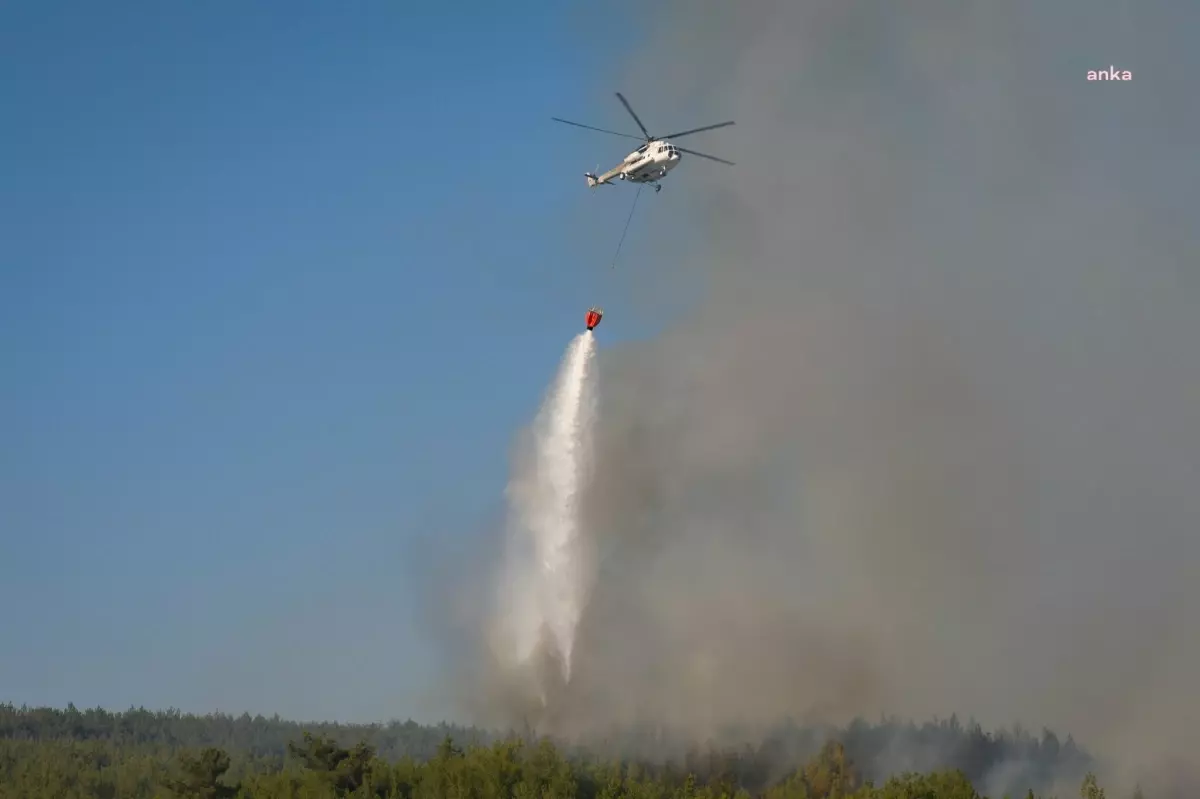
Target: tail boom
(594, 180)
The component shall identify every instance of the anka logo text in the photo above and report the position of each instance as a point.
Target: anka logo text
(1112, 73)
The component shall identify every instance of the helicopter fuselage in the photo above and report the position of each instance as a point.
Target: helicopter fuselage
(650, 162)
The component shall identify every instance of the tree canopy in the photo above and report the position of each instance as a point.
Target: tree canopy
(140, 754)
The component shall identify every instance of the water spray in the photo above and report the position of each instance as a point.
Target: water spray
(549, 577)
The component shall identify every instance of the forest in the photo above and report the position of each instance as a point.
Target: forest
(50, 753)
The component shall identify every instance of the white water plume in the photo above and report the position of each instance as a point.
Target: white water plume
(548, 575)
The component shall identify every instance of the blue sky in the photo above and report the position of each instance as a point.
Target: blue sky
(278, 282)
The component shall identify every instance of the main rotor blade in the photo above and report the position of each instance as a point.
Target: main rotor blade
(625, 103)
(602, 130)
(703, 155)
(696, 130)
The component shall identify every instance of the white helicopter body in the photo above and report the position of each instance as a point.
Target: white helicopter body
(651, 162)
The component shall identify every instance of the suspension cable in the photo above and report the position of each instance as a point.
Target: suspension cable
(627, 221)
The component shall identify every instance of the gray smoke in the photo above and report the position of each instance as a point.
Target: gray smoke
(931, 442)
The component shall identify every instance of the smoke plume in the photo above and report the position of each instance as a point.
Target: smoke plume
(931, 442)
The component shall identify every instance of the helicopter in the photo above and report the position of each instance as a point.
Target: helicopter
(651, 162)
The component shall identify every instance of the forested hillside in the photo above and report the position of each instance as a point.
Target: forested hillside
(139, 754)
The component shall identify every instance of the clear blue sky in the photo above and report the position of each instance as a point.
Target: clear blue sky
(278, 282)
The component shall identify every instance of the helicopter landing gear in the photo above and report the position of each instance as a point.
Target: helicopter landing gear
(657, 187)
